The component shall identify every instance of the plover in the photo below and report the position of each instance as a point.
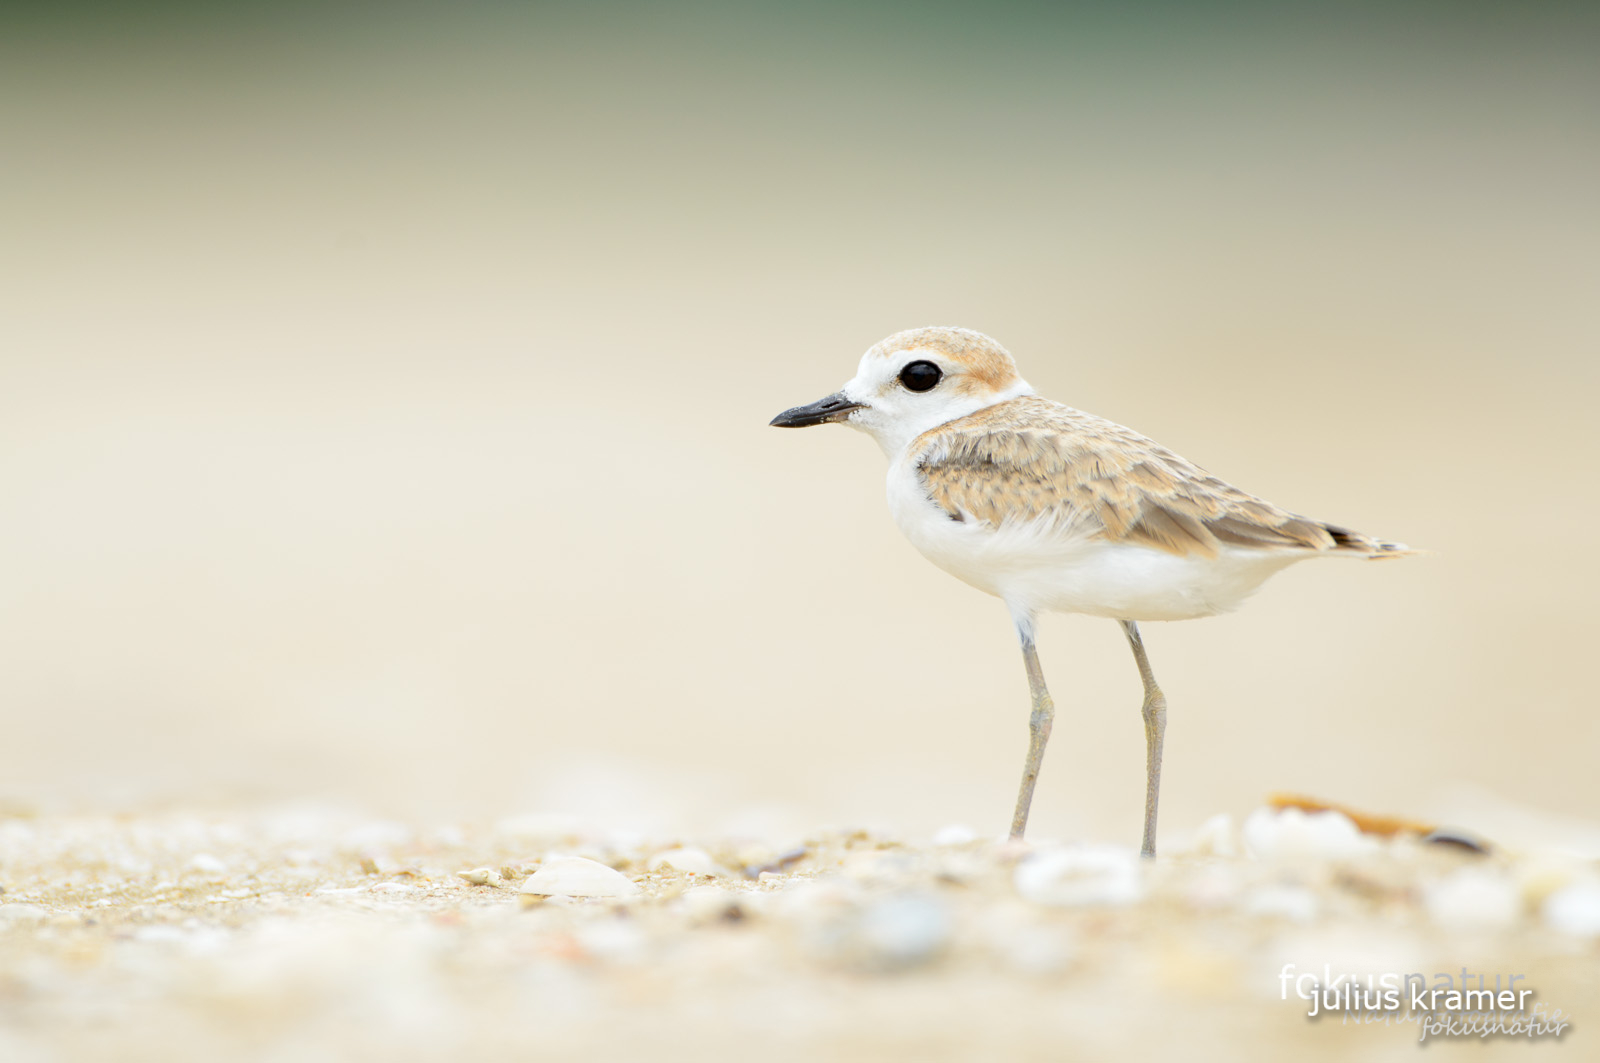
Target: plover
(1054, 510)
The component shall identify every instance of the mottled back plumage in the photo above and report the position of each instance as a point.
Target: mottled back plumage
(1030, 459)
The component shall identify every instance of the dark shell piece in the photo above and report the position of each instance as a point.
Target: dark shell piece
(1456, 839)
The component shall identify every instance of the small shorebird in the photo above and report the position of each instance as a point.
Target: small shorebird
(1052, 509)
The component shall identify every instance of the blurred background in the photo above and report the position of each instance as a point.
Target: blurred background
(384, 396)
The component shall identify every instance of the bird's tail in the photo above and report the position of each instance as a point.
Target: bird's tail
(1353, 543)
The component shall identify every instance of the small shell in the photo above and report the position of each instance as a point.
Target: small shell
(694, 861)
(1456, 839)
(574, 876)
(1291, 834)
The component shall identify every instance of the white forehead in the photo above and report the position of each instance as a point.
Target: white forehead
(978, 372)
(877, 367)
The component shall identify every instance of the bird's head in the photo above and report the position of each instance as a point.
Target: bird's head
(913, 381)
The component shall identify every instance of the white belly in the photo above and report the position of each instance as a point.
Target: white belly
(1043, 567)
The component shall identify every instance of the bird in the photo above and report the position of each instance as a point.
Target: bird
(1051, 509)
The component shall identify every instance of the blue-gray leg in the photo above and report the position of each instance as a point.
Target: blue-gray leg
(1155, 727)
(1039, 723)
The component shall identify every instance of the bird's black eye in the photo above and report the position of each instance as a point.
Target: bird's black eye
(920, 376)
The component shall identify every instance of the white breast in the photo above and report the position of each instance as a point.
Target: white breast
(1046, 567)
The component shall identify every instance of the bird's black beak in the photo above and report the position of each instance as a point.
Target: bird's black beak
(824, 411)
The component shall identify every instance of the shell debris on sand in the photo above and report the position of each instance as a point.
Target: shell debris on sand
(1292, 833)
(577, 876)
(608, 945)
(686, 858)
(479, 876)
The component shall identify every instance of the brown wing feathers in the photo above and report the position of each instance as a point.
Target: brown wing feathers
(1030, 458)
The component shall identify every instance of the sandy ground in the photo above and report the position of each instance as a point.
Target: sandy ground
(309, 934)
(383, 426)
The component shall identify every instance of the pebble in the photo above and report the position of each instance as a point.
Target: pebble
(1082, 875)
(575, 876)
(843, 923)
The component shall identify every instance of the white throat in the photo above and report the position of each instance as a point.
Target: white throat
(894, 425)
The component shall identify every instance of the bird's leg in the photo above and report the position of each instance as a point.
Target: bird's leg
(1044, 714)
(1155, 726)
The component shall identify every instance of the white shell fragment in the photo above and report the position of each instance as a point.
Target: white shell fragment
(1083, 875)
(1292, 834)
(693, 861)
(575, 876)
(853, 936)
(1574, 910)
